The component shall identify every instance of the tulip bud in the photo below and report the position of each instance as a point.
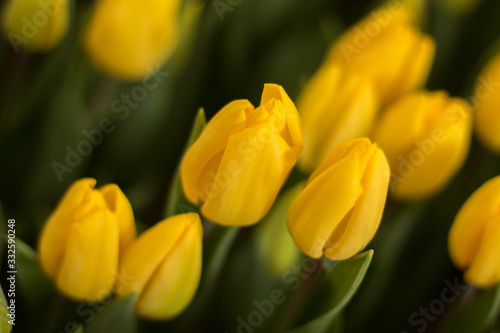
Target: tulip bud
(388, 50)
(80, 243)
(340, 208)
(35, 25)
(486, 103)
(426, 138)
(131, 38)
(163, 266)
(336, 105)
(242, 157)
(473, 239)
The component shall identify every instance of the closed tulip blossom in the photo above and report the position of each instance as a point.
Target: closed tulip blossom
(336, 105)
(241, 159)
(82, 239)
(473, 240)
(35, 25)
(131, 38)
(426, 138)
(163, 267)
(487, 102)
(340, 208)
(386, 48)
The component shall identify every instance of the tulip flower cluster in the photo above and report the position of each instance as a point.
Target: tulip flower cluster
(89, 241)
(363, 127)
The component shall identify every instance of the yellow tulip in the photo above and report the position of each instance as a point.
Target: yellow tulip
(242, 157)
(35, 25)
(388, 50)
(163, 267)
(426, 138)
(336, 105)
(473, 239)
(487, 104)
(131, 38)
(81, 242)
(341, 206)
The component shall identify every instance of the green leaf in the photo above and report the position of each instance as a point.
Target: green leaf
(176, 202)
(4, 319)
(335, 290)
(117, 317)
(479, 315)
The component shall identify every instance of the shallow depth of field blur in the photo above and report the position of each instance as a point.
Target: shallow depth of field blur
(52, 105)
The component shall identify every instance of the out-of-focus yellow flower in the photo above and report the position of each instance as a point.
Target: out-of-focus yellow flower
(426, 137)
(473, 240)
(80, 243)
(336, 105)
(388, 50)
(339, 210)
(487, 106)
(35, 25)
(163, 267)
(242, 157)
(131, 38)
(460, 7)
(275, 243)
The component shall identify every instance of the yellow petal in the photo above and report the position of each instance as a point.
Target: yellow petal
(147, 253)
(426, 137)
(174, 283)
(435, 162)
(22, 23)
(361, 148)
(335, 106)
(321, 206)
(130, 38)
(485, 269)
(120, 206)
(382, 47)
(88, 270)
(255, 165)
(487, 100)
(363, 221)
(203, 158)
(469, 226)
(295, 138)
(54, 237)
(421, 58)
